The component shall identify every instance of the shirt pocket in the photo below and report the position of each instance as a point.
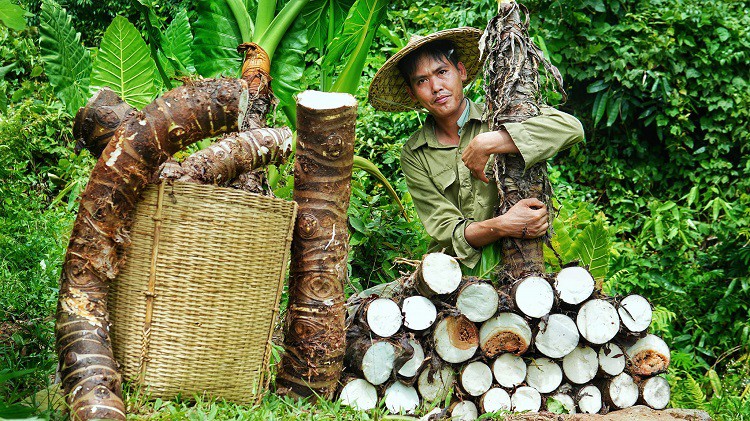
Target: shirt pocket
(444, 178)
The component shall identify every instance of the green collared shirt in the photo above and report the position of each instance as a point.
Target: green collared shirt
(447, 198)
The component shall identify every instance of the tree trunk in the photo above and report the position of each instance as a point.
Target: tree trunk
(95, 124)
(526, 398)
(557, 336)
(496, 399)
(506, 332)
(314, 337)
(649, 356)
(543, 374)
(512, 86)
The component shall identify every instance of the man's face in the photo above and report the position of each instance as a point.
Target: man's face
(437, 85)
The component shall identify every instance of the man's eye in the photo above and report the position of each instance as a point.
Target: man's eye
(443, 71)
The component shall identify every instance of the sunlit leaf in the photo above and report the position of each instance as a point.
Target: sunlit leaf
(124, 64)
(317, 16)
(592, 247)
(11, 15)
(66, 62)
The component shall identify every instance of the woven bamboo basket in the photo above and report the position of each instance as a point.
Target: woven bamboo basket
(196, 302)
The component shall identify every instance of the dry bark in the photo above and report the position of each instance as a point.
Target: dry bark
(512, 95)
(314, 329)
(192, 112)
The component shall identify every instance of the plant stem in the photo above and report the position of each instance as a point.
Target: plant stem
(276, 30)
(243, 19)
(264, 16)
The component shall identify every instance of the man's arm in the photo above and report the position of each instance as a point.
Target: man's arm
(526, 219)
(536, 139)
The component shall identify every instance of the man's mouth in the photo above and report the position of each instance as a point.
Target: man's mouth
(441, 99)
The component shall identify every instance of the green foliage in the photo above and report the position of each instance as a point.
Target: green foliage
(288, 67)
(124, 65)
(217, 36)
(178, 41)
(66, 62)
(12, 15)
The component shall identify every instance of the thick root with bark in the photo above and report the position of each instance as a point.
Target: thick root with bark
(95, 123)
(89, 372)
(314, 329)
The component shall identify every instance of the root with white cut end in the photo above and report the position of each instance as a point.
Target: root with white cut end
(438, 273)
(574, 285)
(496, 399)
(649, 356)
(476, 378)
(506, 332)
(543, 374)
(359, 394)
(598, 321)
(611, 359)
(419, 312)
(635, 313)
(435, 386)
(477, 301)
(400, 398)
(509, 370)
(383, 317)
(589, 399)
(526, 398)
(557, 336)
(655, 392)
(533, 296)
(581, 365)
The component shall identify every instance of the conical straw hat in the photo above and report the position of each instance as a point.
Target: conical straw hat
(388, 88)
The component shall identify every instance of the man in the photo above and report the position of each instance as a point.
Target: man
(444, 162)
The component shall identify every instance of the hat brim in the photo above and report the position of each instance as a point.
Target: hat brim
(388, 90)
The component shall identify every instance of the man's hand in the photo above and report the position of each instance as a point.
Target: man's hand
(526, 219)
(480, 148)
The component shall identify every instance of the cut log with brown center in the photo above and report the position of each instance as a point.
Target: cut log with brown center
(506, 332)
(648, 356)
(456, 339)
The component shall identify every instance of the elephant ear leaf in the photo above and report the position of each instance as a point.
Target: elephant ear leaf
(352, 45)
(66, 62)
(287, 68)
(11, 15)
(217, 36)
(178, 41)
(124, 64)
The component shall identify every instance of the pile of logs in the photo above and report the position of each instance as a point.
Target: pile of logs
(435, 337)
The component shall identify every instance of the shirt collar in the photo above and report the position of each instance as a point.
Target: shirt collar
(473, 111)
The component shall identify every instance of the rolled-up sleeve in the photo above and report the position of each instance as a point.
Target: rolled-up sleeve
(542, 137)
(442, 220)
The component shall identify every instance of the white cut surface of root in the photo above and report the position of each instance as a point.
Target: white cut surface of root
(589, 399)
(478, 301)
(456, 339)
(378, 362)
(611, 359)
(534, 296)
(506, 332)
(526, 398)
(496, 399)
(384, 317)
(598, 321)
(441, 273)
(565, 400)
(476, 378)
(411, 367)
(655, 392)
(557, 336)
(581, 365)
(439, 387)
(648, 356)
(509, 370)
(359, 394)
(464, 411)
(400, 398)
(574, 285)
(419, 312)
(318, 100)
(543, 374)
(623, 391)
(635, 313)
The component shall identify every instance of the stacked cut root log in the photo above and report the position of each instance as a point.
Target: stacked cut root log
(538, 344)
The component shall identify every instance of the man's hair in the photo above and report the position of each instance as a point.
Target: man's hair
(440, 50)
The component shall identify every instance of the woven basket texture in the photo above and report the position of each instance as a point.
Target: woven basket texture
(197, 299)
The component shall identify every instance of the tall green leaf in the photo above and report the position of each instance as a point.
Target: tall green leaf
(217, 36)
(352, 45)
(66, 62)
(287, 68)
(372, 169)
(125, 65)
(178, 39)
(11, 15)
(322, 17)
(592, 247)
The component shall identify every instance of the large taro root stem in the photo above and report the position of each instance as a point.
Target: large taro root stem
(512, 95)
(95, 123)
(314, 330)
(192, 112)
